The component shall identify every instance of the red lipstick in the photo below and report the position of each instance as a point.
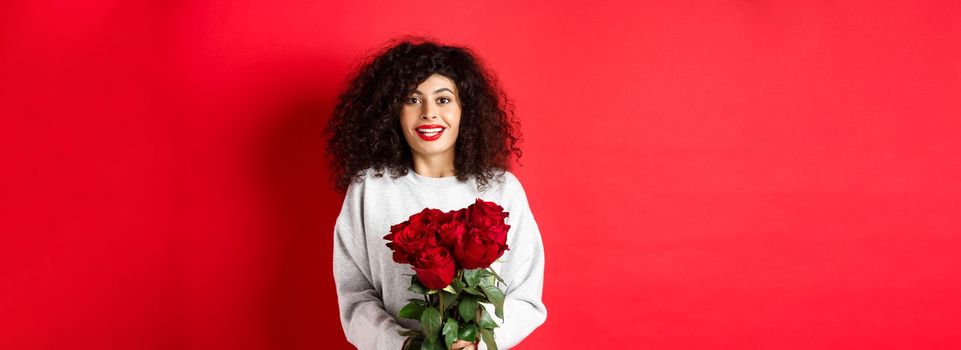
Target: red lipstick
(432, 137)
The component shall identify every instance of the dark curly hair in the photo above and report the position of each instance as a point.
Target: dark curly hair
(365, 132)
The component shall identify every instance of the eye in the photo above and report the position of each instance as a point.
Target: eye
(412, 100)
(444, 99)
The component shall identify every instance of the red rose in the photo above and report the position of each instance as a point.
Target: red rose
(484, 214)
(400, 254)
(486, 240)
(453, 228)
(434, 266)
(478, 249)
(414, 234)
(436, 243)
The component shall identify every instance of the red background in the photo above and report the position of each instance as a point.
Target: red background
(721, 174)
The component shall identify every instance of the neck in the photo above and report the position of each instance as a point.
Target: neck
(434, 166)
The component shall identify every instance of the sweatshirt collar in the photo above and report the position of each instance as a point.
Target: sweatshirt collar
(427, 180)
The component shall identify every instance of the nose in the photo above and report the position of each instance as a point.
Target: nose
(430, 112)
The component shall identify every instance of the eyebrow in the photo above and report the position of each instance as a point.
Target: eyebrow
(435, 91)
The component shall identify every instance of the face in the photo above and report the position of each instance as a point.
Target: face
(434, 106)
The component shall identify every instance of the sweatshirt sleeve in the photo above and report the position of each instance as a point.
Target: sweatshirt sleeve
(363, 318)
(524, 310)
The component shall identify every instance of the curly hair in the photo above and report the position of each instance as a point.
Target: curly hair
(365, 132)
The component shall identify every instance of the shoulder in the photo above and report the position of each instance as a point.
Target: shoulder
(512, 185)
(370, 175)
(367, 189)
(357, 184)
(511, 191)
(353, 198)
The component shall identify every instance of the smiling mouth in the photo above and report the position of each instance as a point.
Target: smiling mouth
(430, 131)
(430, 134)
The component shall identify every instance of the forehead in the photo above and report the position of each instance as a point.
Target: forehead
(434, 83)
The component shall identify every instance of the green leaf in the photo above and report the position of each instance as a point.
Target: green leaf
(485, 320)
(427, 345)
(450, 289)
(432, 344)
(472, 290)
(450, 332)
(412, 311)
(430, 322)
(493, 273)
(488, 277)
(496, 297)
(468, 332)
(411, 344)
(448, 324)
(457, 284)
(473, 277)
(488, 280)
(448, 299)
(410, 333)
(416, 287)
(488, 336)
(417, 301)
(468, 308)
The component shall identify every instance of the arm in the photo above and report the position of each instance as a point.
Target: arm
(524, 310)
(363, 318)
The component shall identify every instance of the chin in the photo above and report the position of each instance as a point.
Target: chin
(433, 151)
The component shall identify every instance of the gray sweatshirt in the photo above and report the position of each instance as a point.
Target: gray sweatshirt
(372, 288)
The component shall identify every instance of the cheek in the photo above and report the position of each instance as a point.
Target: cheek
(407, 119)
(453, 118)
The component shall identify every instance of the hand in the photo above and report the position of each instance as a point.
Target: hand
(463, 345)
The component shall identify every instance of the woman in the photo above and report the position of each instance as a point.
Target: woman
(434, 118)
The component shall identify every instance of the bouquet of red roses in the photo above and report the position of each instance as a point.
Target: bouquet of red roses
(451, 253)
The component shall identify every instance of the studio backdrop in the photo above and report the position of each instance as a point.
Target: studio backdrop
(705, 174)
